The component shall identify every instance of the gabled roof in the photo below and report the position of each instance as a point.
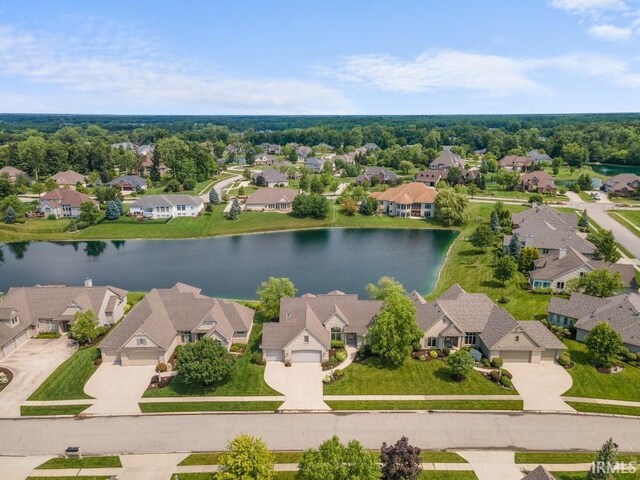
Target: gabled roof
(270, 195)
(536, 156)
(271, 175)
(12, 171)
(64, 196)
(539, 473)
(514, 161)
(68, 177)
(539, 178)
(133, 180)
(407, 193)
(447, 159)
(153, 201)
(386, 175)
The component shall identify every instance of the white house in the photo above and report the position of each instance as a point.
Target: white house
(167, 206)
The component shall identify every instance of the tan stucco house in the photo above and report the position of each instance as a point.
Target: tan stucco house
(69, 179)
(409, 200)
(166, 318)
(271, 199)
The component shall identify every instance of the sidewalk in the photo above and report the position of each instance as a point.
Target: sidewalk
(601, 401)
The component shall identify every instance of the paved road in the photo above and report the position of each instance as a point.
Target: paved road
(281, 431)
(221, 185)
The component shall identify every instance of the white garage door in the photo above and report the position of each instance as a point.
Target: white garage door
(516, 357)
(9, 347)
(306, 356)
(548, 355)
(23, 337)
(274, 355)
(137, 358)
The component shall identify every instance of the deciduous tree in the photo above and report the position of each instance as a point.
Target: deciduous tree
(603, 342)
(482, 237)
(451, 207)
(460, 364)
(204, 362)
(597, 283)
(246, 457)
(84, 327)
(270, 292)
(400, 461)
(606, 247)
(504, 269)
(335, 461)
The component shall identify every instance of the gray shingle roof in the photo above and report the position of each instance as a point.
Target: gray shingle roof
(166, 201)
(384, 174)
(447, 159)
(541, 335)
(269, 195)
(271, 176)
(134, 180)
(539, 473)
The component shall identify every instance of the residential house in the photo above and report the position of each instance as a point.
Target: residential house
(63, 203)
(538, 157)
(27, 311)
(309, 323)
(147, 166)
(482, 151)
(377, 175)
(166, 318)
(537, 181)
(430, 177)
(303, 152)
(167, 206)
(447, 160)
(539, 473)
(583, 312)
(124, 146)
(623, 184)
(324, 147)
(69, 179)
(264, 159)
(12, 173)
(314, 164)
(270, 178)
(555, 270)
(459, 319)
(145, 150)
(371, 147)
(516, 163)
(547, 230)
(271, 199)
(271, 148)
(128, 183)
(414, 200)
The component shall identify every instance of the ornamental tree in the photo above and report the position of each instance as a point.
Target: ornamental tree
(335, 461)
(88, 213)
(515, 246)
(205, 362)
(527, 256)
(460, 364)
(84, 327)
(112, 212)
(583, 221)
(214, 199)
(400, 461)
(598, 283)
(246, 457)
(9, 215)
(604, 466)
(603, 342)
(270, 292)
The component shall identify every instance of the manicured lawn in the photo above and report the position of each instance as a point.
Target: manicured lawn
(68, 380)
(79, 477)
(588, 382)
(568, 457)
(374, 377)
(84, 462)
(447, 475)
(247, 379)
(209, 407)
(134, 297)
(211, 458)
(586, 197)
(430, 456)
(37, 411)
(426, 405)
(610, 409)
(628, 219)
(583, 475)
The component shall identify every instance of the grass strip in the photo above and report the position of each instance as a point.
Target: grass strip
(84, 462)
(41, 411)
(425, 404)
(209, 407)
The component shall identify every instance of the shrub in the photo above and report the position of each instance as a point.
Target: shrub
(446, 352)
(97, 361)
(564, 360)
(51, 216)
(497, 362)
(416, 346)
(505, 381)
(632, 356)
(341, 356)
(486, 362)
(476, 355)
(238, 347)
(161, 367)
(335, 344)
(494, 375)
(257, 359)
(338, 374)
(422, 357)
(543, 291)
(72, 227)
(504, 300)
(433, 354)
(624, 350)
(507, 373)
(3, 378)
(82, 225)
(607, 365)
(326, 379)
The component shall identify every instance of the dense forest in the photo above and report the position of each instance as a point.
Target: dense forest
(44, 144)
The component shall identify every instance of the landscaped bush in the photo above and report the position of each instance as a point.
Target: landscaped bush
(486, 362)
(3, 378)
(341, 355)
(504, 300)
(433, 353)
(607, 365)
(494, 375)
(416, 346)
(505, 381)
(338, 374)
(51, 216)
(238, 347)
(497, 362)
(257, 359)
(327, 379)
(476, 355)
(422, 357)
(161, 367)
(507, 373)
(564, 360)
(543, 291)
(632, 356)
(446, 352)
(336, 344)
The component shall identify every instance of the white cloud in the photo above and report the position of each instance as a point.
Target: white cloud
(126, 71)
(610, 33)
(589, 6)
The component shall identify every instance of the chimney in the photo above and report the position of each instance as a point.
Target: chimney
(88, 282)
(562, 252)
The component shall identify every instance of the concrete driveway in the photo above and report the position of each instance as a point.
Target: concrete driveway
(492, 464)
(31, 364)
(301, 384)
(541, 385)
(117, 389)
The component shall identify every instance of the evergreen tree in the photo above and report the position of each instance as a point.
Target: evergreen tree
(606, 246)
(9, 215)
(120, 206)
(604, 466)
(583, 222)
(515, 246)
(112, 212)
(234, 211)
(495, 222)
(214, 199)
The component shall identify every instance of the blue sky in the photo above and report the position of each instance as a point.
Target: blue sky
(319, 57)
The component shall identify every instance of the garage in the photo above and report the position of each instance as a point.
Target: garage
(9, 347)
(23, 337)
(548, 355)
(515, 356)
(274, 355)
(138, 358)
(306, 356)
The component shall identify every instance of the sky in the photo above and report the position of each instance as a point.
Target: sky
(319, 57)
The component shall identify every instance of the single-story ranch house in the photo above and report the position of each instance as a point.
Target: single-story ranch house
(307, 324)
(167, 206)
(414, 200)
(271, 199)
(128, 183)
(27, 311)
(381, 174)
(166, 318)
(63, 203)
(459, 319)
(270, 178)
(69, 179)
(516, 163)
(584, 312)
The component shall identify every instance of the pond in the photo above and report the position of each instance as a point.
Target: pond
(610, 170)
(317, 261)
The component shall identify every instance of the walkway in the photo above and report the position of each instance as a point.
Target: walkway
(541, 385)
(602, 401)
(301, 384)
(491, 465)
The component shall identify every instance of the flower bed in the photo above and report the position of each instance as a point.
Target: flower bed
(8, 374)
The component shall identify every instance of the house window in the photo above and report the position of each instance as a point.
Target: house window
(470, 339)
(306, 339)
(560, 285)
(141, 341)
(545, 251)
(517, 338)
(432, 341)
(186, 337)
(582, 274)
(336, 333)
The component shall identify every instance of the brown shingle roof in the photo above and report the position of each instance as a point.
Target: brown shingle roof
(271, 195)
(514, 161)
(539, 473)
(63, 196)
(408, 193)
(68, 177)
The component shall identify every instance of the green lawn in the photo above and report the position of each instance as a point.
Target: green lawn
(431, 456)
(609, 409)
(628, 219)
(211, 476)
(209, 407)
(247, 379)
(568, 457)
(583, 475)
(84, 462)
(134, 297)
(586, 197)
(425, 405)
(588, 382)
(374, 377)
(68, 380)
(40, 411)
(78, 477)
(447, 475)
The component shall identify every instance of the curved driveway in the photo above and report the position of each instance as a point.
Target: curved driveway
(282, 431)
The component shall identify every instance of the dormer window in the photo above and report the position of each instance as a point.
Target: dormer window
(141, 341)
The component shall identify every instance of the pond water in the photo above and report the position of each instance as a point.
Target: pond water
(610, 170)
(317, 261)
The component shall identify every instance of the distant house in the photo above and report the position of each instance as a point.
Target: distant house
(555, 270)
(147, 166)
(371, 147)
(270, 178)
(145, 150)
(271, 148)
(459, 319)
(324, 147)
(167, 206)
(538, 157)
(303, 152)
(271, 199)
(430, 177)
(309, 323)
(124, 146)
(63, 203)
(69, 179)
(446, 160)
(27, 311)
(537, 181)
(166, 318)
(482, 151)
(377, 175)
(128, 183)
(516, 163)
(264, 159)
(314, 164)
(623, 184)
(583, 312)
(414, 200)
(13, 173)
